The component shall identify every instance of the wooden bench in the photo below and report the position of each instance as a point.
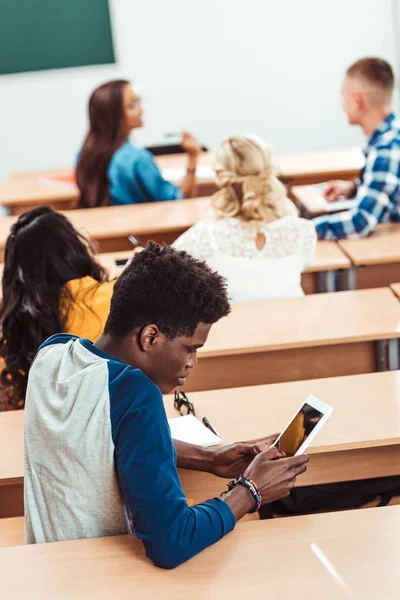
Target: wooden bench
(331, 556)
(291, 339)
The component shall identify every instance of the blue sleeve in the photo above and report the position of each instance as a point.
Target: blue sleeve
(150, 180)
(171, 530)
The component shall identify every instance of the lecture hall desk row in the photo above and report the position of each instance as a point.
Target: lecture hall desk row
(329, 556)
(109, 227)
(361, 439)
(365, 263)
(292, 339)
(375, 260)
(26, 190)
(328, 271)
(352, 554)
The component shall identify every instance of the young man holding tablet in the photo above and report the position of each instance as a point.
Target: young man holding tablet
(367, 96)
(99, 459)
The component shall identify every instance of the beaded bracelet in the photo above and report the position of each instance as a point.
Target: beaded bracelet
(251, 486)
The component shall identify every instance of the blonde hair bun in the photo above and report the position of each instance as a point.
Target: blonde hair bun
(249, 188)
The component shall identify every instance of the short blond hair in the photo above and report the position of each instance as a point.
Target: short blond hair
(249, 188)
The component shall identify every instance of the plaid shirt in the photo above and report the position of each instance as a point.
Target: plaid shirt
(378, 194)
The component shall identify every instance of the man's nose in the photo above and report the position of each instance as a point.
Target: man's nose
(192, 362)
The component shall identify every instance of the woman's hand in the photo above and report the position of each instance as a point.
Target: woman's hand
(190, 144)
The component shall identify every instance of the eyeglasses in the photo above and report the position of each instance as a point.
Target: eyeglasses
(183, 404)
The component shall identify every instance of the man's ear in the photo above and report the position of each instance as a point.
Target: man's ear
(359, 99)
(149, 337)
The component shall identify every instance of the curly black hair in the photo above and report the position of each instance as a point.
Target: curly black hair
(169, 288)
(43, 252)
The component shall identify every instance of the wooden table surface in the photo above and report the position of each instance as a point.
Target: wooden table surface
(396, 289)
(312, 167)
(383, 246)
(315, 320)
(376, 259)
(319, 335)
(328, 257)
(330, 556)
(360, 440)
(111, 225)
(23, 195)
(27, 189)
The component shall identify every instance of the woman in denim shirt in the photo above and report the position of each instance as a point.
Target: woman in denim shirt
(111, 170)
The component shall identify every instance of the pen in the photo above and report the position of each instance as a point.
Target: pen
(207, 423)
(135, 241)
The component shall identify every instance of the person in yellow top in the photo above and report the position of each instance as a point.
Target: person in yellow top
(51, 283)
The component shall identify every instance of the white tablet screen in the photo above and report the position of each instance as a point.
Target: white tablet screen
(299, 429)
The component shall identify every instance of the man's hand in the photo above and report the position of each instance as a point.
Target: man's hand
(234, 459)
(339, 189)
(275, 478)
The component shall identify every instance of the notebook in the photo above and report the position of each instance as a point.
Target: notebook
(191, 430)
(178, 173)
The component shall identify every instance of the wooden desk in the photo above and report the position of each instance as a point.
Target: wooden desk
(11, 531)
(25, 191)
(12, 463)
(20, 196)
(327, 273)
(361, 439)
(376, 259)
(396, 289)
(329, 270)
(292, 339)
(315, 167)
(110, 226)
(330, 556)
(309, 200)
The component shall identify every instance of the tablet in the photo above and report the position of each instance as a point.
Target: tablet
(302, 429)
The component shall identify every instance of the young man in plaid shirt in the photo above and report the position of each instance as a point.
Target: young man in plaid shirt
(367, 95)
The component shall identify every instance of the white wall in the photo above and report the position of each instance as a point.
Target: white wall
(217, 67)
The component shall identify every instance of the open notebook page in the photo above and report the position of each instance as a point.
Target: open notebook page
(191, 430)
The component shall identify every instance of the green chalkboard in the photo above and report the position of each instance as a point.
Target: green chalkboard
(54, 34)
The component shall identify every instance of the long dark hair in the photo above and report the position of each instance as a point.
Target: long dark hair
(43, 252)
(106, 134)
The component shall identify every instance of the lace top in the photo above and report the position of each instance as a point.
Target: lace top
(229, 246)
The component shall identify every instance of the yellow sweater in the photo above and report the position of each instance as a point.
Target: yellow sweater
(88, 314)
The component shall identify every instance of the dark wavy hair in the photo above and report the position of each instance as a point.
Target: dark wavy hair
(169, 288)
(106, 134)
(43, 252)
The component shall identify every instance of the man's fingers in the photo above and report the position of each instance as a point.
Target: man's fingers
(263, 443)
(271, 454)
(300, 470)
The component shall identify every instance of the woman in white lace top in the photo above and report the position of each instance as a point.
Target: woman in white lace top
(254, 236)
